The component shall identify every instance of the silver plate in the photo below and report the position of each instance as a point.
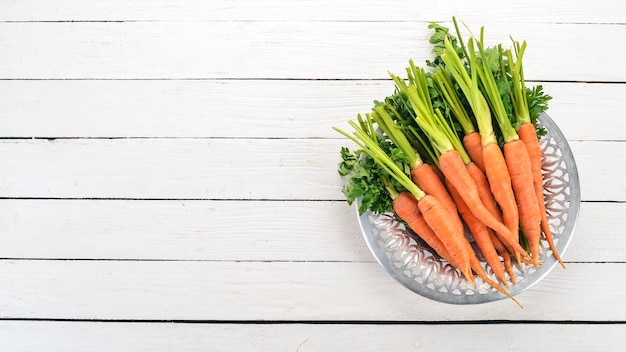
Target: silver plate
(411, 262)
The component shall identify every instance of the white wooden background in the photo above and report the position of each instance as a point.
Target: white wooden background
(168, 178)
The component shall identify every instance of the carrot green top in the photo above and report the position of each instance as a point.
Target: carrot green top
(444, 84)
(519, 98)
(430, 120)
(382, 116)
(364, 137)
(468, 82)
(491, 89)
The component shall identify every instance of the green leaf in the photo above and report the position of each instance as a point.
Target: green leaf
(437, 40)
(537, 103)
(363, 180)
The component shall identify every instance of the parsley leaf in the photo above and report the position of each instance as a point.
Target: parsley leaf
(537, 103)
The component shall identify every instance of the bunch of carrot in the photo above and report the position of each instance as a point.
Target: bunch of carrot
(434, 152)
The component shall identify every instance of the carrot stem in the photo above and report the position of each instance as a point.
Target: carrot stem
(365, 141)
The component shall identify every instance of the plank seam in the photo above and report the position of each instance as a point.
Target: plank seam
(322, 322)
(269, 79)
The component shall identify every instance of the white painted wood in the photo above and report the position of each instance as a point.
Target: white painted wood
(23, 336)
(233, 230)
(605, 11)
(261, 85)
(249, 108)
(183, 290)
(224, 168)
(591, 160)
(282, 49)
(172, 168)
(181, 230)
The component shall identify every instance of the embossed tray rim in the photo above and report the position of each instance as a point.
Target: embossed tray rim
(464, 294)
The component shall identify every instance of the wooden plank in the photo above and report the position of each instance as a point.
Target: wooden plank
(184, 108)
(590, 157)
(271, 109)
(224, 168)
(183, 290)
(281, 49)
(181, 230)
(22, 336)
(233, 230)
(606, 11)
(171, 168)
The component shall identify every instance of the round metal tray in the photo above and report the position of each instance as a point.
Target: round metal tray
(411, 262)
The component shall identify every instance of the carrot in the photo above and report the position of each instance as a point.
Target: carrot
(455, 242)
(518, 162)
(495, 166)
(504, 253)
(434, 212)
(487, 198)
(451, 162)
(405, 205)
(484, 192)
(452, 166)
(471, 138)
(480, 233)
(425, 177)
(528, 135)
(421, 173)
(497, 177)
(478, 269)
(450, 244)
(474, 147)
(515, 153)
(438, 172)
(407, 208)
(501, 188)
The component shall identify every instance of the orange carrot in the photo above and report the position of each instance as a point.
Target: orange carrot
(473, 146)
(480, 233)
(495, 166)
(449, 148)
(405, 205)
(425, 177)
(454, 169)
(407, 208)
(487, 198)
(435, 214)
(422, 174)
(471, 140)
(437, 171)
(515, 154)
(486, 195)
(478, 269)
(504, 253)
(518, 164)
(528, 135)
(501, 188)
(484, 192)
(455, 242)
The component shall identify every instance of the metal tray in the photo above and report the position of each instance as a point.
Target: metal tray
(412, 263)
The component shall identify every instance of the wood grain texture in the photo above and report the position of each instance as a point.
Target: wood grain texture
(344, 291)
(180, 191)
(181, 230)
(531, 11)
(28, 336)
(233, 230)
(224, 168)
(248, 108)
(261, 50)
(170, 168)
